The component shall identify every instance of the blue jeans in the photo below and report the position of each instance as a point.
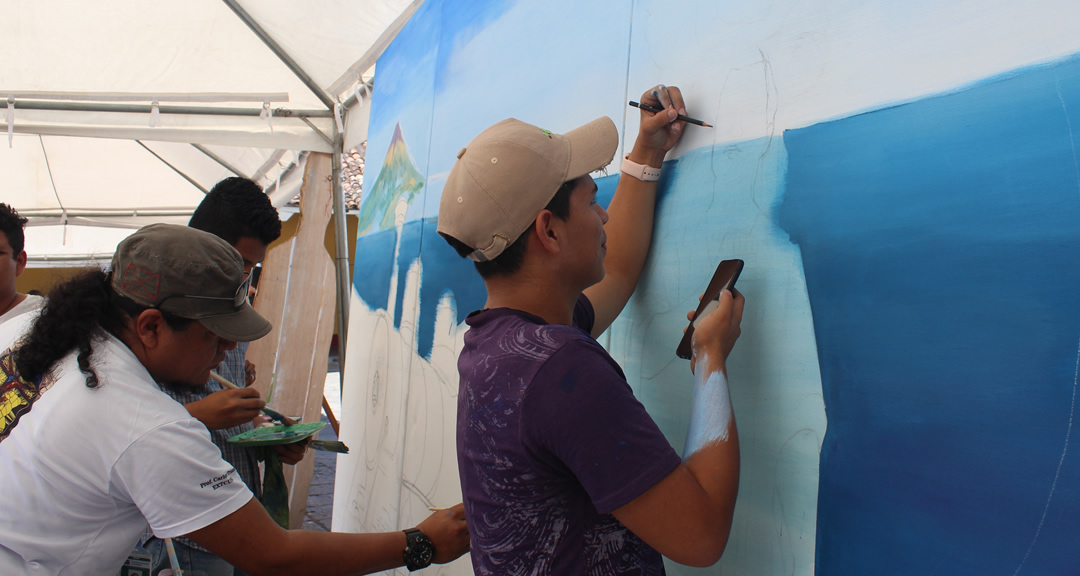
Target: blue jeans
(192, 562)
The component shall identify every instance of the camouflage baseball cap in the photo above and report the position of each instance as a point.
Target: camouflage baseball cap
(189, 273)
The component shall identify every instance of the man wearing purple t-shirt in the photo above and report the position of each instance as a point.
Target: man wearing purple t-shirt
(562, 469)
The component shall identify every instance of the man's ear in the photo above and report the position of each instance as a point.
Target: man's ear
(149, 325)
(20, 263)
(545, 231)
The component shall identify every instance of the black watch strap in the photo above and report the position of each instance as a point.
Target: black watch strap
(419, 551)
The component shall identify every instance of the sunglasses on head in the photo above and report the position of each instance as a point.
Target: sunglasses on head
(238, 299)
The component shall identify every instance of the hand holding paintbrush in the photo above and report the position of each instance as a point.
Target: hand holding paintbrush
(265, 410)
(226, 408)
(325, 445)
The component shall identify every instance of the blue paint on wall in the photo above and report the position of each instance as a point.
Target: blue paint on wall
(605, 189)
(408, 252)
(442, 271)
(373, 267)
(406, 79)
(461, 20)
(941, 246)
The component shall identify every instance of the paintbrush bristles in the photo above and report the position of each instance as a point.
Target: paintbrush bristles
(329, 446)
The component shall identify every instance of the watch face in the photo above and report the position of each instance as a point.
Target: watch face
(424, 554)
(420, 552)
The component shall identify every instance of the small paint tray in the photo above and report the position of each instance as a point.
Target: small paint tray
(277, 434)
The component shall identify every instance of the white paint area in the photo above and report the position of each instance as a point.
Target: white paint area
(754, 69)
(710, 416)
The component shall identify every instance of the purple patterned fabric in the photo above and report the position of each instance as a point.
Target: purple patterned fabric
(550, 441)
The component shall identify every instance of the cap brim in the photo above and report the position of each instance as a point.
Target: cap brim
(242, 326)
(592, 146)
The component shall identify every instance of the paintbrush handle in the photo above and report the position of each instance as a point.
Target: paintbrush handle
(274, 414)
(174, 563)
(221, 380)
(268, 411)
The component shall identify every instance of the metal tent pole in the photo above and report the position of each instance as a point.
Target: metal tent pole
(340, 230)
(341, 257)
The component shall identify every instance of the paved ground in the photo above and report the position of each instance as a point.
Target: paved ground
(320, 504)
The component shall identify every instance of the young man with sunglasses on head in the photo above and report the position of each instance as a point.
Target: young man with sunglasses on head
(237, 211)
(92, 451)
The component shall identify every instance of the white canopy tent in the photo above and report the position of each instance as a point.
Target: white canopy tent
(183, 94)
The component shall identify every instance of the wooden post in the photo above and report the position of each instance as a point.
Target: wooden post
(297, 292)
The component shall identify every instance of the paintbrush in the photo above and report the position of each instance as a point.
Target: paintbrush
(174, 563)
(324, 445)
(265, 410)
(329, 446)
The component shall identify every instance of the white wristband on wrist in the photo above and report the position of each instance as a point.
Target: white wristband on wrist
(639, 171)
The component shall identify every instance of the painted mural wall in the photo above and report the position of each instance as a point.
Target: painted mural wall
(902, 180)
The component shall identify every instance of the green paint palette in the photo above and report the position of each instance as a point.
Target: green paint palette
(277, 434)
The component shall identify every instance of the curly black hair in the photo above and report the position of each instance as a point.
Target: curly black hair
(75, 313)
(12, 225)
(237, 208)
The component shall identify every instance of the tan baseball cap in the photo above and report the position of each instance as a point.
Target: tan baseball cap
(508, 173)
(190, 273)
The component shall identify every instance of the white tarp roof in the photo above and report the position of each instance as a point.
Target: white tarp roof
(74, 72)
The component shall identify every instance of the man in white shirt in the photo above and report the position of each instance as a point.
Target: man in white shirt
(12, 264)
(91, 450)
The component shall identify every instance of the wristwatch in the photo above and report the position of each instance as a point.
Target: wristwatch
(639, 171)
(419, 551)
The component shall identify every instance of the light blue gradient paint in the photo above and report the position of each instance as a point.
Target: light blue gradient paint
(718, 203)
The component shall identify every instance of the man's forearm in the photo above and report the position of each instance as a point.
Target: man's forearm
(249, 540)
(710, 413)
(322, 553)
(712, 442)
(629, 234)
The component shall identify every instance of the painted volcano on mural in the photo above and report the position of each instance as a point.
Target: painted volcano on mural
(398, 180)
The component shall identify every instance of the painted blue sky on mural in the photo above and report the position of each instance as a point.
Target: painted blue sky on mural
(941, 245)
(433, 33)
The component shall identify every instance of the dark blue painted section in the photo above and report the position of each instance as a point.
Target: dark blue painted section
(373, 266)
(408, 252)
(444, 272)
(941, 245)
